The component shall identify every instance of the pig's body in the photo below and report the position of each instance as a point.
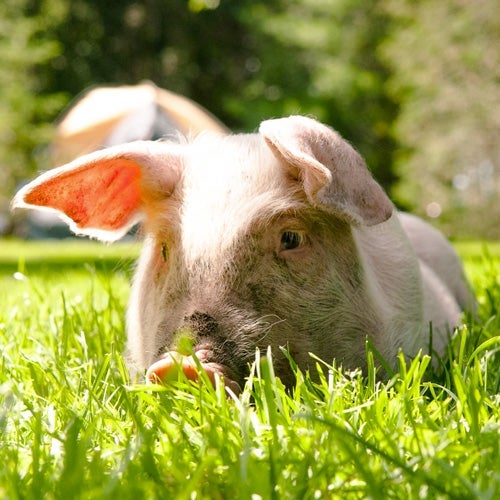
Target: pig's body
(274, 239)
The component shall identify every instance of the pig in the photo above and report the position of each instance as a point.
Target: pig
(279, 239)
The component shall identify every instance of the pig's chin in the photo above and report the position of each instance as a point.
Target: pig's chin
(167, 368)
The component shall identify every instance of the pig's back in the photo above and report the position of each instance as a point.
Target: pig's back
(437, 253)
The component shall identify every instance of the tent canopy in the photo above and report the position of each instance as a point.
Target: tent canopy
(106, 116)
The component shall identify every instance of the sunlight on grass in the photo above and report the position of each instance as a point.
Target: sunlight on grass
(73, 425)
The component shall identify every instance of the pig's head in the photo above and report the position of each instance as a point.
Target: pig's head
(247, 242)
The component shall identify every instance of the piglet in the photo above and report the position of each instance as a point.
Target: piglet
(280, 238)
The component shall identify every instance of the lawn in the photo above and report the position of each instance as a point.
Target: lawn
(73, 425)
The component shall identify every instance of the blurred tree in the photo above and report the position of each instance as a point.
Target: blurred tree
(245, 61)
(195, 48)
(320, 57)
(26, 110)
(359, 65)
(445, 66)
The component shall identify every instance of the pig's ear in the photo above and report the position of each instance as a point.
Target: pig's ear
(333, 174)
(103, 194)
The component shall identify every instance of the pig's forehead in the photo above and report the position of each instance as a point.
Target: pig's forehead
(231, 162)
(226, 174)
(227, 184)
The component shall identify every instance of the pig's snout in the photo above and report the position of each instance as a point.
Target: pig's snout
(172, 363)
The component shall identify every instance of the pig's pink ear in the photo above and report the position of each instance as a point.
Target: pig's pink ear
(103, 194)
(333, 174)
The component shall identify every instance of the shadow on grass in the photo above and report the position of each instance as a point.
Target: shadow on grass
(48, 256)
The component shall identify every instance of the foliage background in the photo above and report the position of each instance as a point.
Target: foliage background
(413, 85)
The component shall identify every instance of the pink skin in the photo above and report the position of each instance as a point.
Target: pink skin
(167, 368)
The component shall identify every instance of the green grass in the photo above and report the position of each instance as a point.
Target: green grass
(72, 425)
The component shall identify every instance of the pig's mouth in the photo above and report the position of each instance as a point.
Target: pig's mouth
(167, 369)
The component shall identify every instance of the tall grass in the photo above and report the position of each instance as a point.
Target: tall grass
(73, 425)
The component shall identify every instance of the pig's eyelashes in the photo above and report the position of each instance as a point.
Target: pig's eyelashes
(290, 240)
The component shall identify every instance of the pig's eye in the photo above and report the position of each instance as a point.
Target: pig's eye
(291, 240)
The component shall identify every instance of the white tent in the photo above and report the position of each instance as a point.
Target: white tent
(105, 116)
